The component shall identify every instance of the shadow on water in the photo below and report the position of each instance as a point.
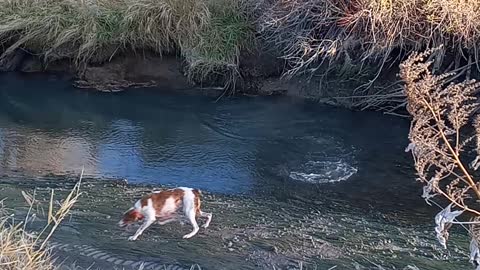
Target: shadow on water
(288, 180)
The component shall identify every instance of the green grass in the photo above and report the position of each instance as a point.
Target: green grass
(220, 43)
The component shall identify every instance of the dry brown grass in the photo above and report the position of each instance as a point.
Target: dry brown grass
(305, 31)
(443, 129)
(97, 29)
(164, 25)
(321, 34)
(456, 21)
(384, 25)
(20, 249)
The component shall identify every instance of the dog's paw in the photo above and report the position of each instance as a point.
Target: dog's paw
(132, 238)
(187, 236)
(205, 226)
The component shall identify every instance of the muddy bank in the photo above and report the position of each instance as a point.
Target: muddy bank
(246, 232)
(148, 69)
(260, 72)
(118, 73)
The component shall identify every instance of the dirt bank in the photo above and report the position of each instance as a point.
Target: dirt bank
(261, 72)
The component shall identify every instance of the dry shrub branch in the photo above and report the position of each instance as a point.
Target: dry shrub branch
(309, 32)
(441, 134)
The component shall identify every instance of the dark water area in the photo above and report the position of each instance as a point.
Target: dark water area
(346, 162)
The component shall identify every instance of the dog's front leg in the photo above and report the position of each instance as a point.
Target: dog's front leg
(148, 221)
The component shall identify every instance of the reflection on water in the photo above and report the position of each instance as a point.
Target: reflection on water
(239, 145)
(36, 152)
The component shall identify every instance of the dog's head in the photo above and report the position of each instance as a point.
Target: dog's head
(130, 217)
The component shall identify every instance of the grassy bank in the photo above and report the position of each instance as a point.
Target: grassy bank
(343, 37)
(208, 33)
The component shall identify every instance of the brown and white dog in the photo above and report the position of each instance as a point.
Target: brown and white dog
(164, 206)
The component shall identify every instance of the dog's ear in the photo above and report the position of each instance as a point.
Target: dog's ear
(137, 215)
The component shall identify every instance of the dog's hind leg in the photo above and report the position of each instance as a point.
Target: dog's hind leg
(191, 217)
(199, 212)
(208, 216)
(189, 210)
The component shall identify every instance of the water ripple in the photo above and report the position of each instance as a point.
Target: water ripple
(318, 172)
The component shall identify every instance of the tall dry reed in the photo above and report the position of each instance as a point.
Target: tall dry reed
(20, 249)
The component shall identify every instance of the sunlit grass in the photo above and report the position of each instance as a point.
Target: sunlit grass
(87, 30)
(308, 32)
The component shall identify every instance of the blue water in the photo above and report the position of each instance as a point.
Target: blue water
(236, 145)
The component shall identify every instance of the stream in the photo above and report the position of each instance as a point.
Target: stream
(292, 184)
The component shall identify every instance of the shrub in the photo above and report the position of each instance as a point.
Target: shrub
(443, 112)
(310, 32)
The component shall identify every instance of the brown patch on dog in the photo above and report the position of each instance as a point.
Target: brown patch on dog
(198, 195)
(159, 199)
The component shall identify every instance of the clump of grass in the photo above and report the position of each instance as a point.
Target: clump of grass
(386, 25)
(66, 28)
(220, 43)
(165, 24)
(81, 29)
(20, 249)
(458, 21)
